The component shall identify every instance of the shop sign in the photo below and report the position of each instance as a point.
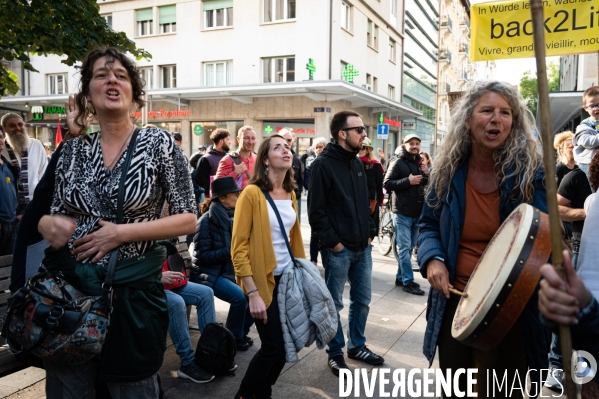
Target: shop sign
(198, 130)
(297, 130)
(311, 68)
(390, 122)
(54, 110)
(322, 109)
(37, 117)
(409, 126)
(163, 114)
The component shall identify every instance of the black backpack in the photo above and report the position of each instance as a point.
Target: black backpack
(216, 349)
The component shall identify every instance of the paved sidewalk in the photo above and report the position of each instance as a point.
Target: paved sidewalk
(395, 330)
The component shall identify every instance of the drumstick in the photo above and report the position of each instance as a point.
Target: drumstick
(457, 292)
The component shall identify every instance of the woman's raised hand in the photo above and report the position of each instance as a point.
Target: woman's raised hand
(71, 109)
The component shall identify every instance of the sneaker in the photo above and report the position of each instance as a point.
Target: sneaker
(242, 345)
(232, 368)
(555, 379)
(249, 341)
(367, 356)
(193, 372)
(413, 288)
(336, 363)
(398, 282)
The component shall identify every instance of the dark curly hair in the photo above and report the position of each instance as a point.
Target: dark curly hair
(594, 172)
(87, 70)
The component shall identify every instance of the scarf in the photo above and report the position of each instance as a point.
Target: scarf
(367, 160)
(223, 218)
(22, 169)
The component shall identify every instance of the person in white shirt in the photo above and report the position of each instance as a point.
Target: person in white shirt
(25, 153)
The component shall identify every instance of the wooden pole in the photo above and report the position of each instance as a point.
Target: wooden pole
(536, 8)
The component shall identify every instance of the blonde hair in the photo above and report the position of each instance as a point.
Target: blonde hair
(519, 156)
(429, 160)
(558, 140)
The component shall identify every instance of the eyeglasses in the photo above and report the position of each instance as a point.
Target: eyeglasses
(358, 129)
(592, 106)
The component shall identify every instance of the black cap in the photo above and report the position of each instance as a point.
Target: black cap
(223, 186)
(177, 136)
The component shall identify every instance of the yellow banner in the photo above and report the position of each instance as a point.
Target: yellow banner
(504, 29)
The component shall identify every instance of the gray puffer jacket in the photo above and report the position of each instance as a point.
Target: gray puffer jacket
(306, 308)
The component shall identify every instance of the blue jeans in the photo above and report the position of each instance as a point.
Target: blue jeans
(555, 353)
(355, 266)
(239, 319)
(178, 299)
(406, 232)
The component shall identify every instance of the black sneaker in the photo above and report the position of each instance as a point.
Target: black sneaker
(398, 282)
(336, 363)
(242, 345)
(193, 372)
(367, 356)
(413, 288)
(249, 341)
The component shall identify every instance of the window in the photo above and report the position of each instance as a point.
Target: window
(167, 18)
(372, 33)
(375, 84)
(369, 79)
(145, 20)
(392, 50)
(147, 75)
(168, 76)
(218, 73)
(391, 92)
(278, 70)
(393, 4)
(346, 16)
(108, 19)
(277, 10)
(57, 84)
(343, 67)
(218, 13)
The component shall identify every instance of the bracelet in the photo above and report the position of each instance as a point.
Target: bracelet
(252, 291)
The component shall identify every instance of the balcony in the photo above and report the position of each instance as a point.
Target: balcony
(464, 49)
(463, 76)
(447, 23)
(445, 56)
(465, 24)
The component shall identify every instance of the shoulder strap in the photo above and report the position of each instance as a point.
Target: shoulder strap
(274, 208)
(107, 286)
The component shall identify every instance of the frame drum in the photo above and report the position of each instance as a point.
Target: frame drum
(504, 279)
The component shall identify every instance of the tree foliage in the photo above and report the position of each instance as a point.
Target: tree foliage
(529, 89)
(61, 27)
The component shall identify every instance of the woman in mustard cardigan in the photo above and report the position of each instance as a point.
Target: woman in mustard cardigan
(260, 257)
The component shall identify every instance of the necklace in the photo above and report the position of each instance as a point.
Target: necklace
(118, 154)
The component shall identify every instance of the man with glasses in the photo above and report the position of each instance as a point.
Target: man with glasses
(586, 138)
(406, 178)
(298, 168)
(338, 210)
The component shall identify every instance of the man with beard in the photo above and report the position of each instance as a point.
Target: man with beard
(208, 164)
(406, 178)
(240, 164)
(339, 214)
(24, 153)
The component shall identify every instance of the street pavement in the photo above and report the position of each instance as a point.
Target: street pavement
(395, 330)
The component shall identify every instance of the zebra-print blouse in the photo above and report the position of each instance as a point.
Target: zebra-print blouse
(158, 172)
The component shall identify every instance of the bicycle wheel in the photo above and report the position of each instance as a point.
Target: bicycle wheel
(384, 239)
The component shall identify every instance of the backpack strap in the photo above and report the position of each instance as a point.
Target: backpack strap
(237, 160)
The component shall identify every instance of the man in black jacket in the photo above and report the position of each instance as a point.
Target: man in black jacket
(406, 178)
(208, 164)
(338, 210)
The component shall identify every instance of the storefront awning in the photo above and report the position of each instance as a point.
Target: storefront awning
(46, 123)
(317, 90)
(564, 106)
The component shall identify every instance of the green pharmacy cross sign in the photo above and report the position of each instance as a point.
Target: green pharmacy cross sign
(268, 129)
(311, 68)
(349, 73)
(198, 130)
(381, 120)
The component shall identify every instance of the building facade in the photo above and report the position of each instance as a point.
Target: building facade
(265, 63)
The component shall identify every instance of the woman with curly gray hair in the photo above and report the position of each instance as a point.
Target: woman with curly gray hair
(488, 164)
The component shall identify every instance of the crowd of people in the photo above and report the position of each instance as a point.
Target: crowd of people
(241, 209)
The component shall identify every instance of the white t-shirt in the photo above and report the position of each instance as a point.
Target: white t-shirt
(285, 208)
(37, 160)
